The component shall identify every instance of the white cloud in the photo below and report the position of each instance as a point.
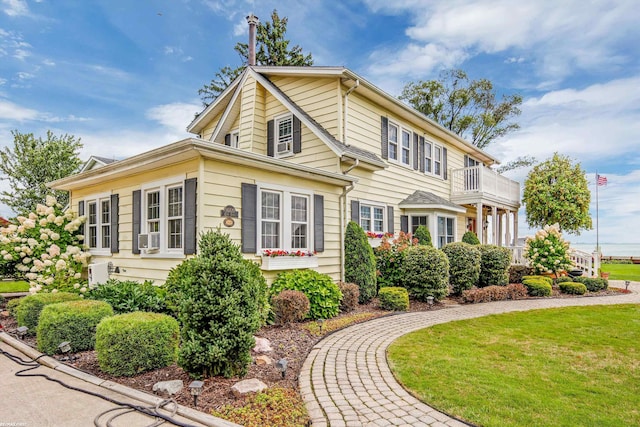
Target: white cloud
(174, 117)
(21, 54)
(15, 7)
(11, 111)
(48, 63)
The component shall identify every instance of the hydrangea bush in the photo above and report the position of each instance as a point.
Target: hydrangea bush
(548, 252)
(45, 248)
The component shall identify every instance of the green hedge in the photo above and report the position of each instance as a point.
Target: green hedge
(73, 321)
(537, 287)
(394, 298)
(494, 265)
(324, 295)
(546, 279)
(464, 266)
(573, 288)
(29, 307)
(593, 284)
(563, 280)
(425, 272)
(130, 343)
(126, 296)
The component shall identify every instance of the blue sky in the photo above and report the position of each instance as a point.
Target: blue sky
(124, 75)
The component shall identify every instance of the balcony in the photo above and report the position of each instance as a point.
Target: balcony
(478, 184)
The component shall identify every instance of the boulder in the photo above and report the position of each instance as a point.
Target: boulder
(170, 387)
(244, 387)
(262, 345)
(263, 360)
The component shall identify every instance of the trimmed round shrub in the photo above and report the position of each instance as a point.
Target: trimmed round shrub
(389, 258)
(537, 287)
(290, 306)
(126, 296)
(517, 271)
(350, 296)
(29, 307)
(593, 284)
(12, 306)
(220, 300)
(131, 343)
(73, 321)
(324, 295)
(546, 279)
(423, 235)
(464, 266)
(359, 262)
(425, 272)
(393, 298)
(573, 288)
(494, 265)
(563, 280)
(470, 238)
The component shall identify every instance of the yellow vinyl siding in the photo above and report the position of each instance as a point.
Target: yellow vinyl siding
(210, 127)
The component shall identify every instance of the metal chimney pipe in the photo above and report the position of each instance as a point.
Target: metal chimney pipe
(253, 21)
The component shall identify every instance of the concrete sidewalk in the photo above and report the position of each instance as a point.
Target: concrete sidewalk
(37, 402)
(346, 380)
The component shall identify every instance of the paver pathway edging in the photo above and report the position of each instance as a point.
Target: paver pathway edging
(346, 380)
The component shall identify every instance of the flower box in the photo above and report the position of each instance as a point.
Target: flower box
(375, 241)
(288, 262)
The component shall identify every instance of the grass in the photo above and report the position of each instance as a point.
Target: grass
(14, 286)
(557, 367)
(622, 271)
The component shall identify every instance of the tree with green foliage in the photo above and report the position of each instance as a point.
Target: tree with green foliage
(359, 262)
(272, 48)
(31, 163)
(556, 192)
(423, 235)
(466, 107)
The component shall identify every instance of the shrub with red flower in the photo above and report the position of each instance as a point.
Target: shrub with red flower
(389, 257)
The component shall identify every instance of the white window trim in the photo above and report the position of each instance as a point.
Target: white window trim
(428, 172)
(401, 148)
(285, 218)
(455, 228)
(374, 204)
(397, 142)
(97, 199)
(276, 136)
(163, 186)
(234, 138)
(428, 216)
(433, 160)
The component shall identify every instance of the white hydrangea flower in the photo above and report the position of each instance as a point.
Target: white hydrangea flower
(53, 291)
(50, 201)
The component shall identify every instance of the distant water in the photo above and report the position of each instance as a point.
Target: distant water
(611, 249)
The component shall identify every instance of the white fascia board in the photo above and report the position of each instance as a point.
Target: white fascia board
(433, 207)
(229, 108)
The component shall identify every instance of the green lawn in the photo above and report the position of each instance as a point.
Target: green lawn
(622, 271)
(14, 286)
(557, 367)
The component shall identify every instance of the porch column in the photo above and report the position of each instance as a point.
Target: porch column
(479, 223)
(494, 224)
(507, 236)
(500, 229)
(515, 228)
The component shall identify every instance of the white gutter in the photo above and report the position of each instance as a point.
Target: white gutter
(346, 110)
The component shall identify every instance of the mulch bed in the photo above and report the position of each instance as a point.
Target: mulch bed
(291, 342)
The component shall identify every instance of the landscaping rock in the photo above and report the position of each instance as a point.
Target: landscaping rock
(244, 387)
(263, 360)
(169, 387)
(262, 345)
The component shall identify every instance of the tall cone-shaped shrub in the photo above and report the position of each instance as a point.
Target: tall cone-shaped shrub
(359, 262)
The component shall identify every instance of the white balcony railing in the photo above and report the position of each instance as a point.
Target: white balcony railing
(484, 182)
(589, 263)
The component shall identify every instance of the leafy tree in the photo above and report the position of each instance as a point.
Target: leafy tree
(271, 49)
(556, 191)
(31, 163)
(466, 107)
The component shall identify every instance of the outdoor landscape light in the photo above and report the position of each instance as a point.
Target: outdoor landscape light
(282, 367)
(196, 389)
(320, 324)
(430, 300)
(626, 285)
(21, 331)
(65, 348)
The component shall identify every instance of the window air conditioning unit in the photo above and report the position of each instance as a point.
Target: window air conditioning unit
(149, 241)
(98, 274)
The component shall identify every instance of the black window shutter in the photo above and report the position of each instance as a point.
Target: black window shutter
(81, 213)
(270, 131)
(297, 135)
(115, 210)
(190, 208)
(390, 218)
(355, 211)
(318, 223)
(444, 163)
(466, 161)
(421, 154)
(227, 139)
(137, 211)
(385, 137)
(404, 223)
(416, 163)
(249, 217)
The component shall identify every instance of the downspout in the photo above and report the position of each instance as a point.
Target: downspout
(346, 109)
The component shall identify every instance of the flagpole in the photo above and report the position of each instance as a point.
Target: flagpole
(597, 218)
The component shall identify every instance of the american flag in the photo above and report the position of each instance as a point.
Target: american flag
(601, 180)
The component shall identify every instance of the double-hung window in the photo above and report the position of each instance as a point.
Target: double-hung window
(393, 141)
(428, 157)
(417, 221)
(284, 219)
(372, 218)
(163, 213)
(406, 148)
(446, 227)
(437, 160)
(98, 226)
(284, 135)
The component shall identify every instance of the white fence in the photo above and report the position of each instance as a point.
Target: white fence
(589, 263)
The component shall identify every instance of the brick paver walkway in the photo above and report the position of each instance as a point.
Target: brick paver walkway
(346, 381)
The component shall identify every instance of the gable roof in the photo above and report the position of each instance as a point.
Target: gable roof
(426, 200)
(95, 162)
